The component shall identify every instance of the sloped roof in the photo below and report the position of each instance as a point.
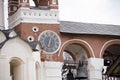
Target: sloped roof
(89, 28)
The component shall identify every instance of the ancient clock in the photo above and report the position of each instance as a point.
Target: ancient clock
(49, 41)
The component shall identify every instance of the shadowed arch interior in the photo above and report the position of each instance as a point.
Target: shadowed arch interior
(73, 53)
(16, 69)
(112, 60)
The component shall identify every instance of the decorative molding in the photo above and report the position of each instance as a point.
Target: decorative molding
(26, 15)
(35, 29)
(30, 38)
(106, 44)
(93, 54)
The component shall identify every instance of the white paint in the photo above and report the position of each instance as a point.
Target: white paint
(83, 41)
(95, 66)
(31, 67)
(52, 70)
(108, 42)
(26, 15)
(18, 49)
(4, 68)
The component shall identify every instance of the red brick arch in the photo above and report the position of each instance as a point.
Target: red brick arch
(83, 43)
(107, 44)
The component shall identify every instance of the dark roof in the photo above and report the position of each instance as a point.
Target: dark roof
(89, 28)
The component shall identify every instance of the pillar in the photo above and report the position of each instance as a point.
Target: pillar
(31, 69)
(52, 70)
(4, 68)
(95, 66)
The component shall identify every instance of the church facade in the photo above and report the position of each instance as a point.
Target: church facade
(38, 46)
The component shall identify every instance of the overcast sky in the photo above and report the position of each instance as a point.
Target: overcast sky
(91, 11)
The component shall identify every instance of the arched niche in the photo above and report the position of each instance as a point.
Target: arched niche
(16, 69)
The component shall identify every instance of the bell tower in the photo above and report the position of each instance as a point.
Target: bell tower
(14, 5)
(52, 4)
(29, 21)
(1, 14)
(35, 23)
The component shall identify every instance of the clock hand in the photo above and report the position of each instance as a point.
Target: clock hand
(49, 42)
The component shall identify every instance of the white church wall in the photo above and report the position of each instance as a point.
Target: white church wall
(16, 48)
(13, 49)
(36, 56)
(4, 68)
(2, 37)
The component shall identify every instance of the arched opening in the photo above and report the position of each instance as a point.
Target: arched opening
(42, 3)
(12, 6)
(74, 54)
(37, 71)
(112, 62)
(16, 69)
(32, 3)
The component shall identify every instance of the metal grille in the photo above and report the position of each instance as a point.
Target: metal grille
(106, 77)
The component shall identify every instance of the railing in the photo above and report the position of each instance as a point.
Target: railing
(106, 77)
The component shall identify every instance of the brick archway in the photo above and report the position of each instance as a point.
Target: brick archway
(83, 43)
(107, 44)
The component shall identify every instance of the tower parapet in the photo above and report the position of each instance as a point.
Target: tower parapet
(34, 16)
(45, 12)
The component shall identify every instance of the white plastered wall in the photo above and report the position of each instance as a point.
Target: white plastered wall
(51, 70)
(95, 66)
(17, 48)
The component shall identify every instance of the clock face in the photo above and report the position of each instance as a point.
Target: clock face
(49, 41)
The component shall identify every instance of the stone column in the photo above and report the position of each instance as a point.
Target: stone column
(95, 66)
(36, 56)
(4, 68)
(53, 70)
